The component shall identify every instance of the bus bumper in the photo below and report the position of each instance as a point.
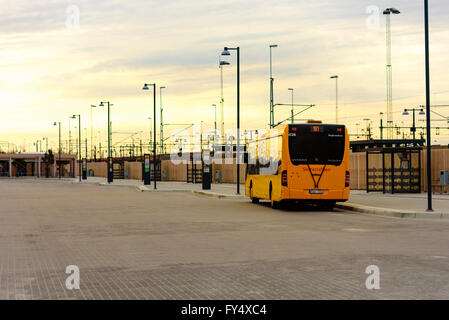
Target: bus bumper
(305, 194)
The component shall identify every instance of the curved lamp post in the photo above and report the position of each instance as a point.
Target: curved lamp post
(146, 87)
(227, 53)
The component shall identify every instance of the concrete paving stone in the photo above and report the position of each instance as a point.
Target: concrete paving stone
(168, 245)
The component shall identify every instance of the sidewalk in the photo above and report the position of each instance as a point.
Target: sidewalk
(392, 205)
(397, 205)
(218, 190)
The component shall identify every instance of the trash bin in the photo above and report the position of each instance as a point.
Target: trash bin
(444, 178)
(218, 176)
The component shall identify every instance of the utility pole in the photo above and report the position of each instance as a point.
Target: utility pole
(271, 88)
(292, 111)
(336, 97)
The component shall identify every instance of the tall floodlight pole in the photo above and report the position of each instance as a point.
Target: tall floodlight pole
(293, 114)
(146, 87)
(79, 143)
(91, 132)
(271, 88)
(59, 149)
(336, 97)
(226, 53)
(387, 12)
(161, 133)
(429, 141)
(221, 64)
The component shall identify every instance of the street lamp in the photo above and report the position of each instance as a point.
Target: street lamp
(381, 115)
(146, 87)
(79, 143)
(336, 97)
(221, 64)
(215, 123)
(161, 133)
(110, 165)
(368, 128)
(46, 143)
(151, 131)
(388, 12)
(215, 115)
(429, 141)
(227, 53)
(91, 132)
(413, 128)
(293, 119)
(272, 88)
(59, 124)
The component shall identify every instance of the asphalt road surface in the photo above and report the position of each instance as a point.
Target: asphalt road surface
(147, 245)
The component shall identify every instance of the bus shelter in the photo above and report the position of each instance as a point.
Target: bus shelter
(393, 170)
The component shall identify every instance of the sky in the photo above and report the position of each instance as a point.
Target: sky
(57, 58)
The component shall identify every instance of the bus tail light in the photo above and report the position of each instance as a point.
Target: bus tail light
(284, 178)
(347, 179)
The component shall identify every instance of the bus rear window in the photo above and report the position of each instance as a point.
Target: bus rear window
(316, 144)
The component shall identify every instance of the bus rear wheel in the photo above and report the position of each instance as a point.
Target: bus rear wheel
(253, 199)
(328, 205)
(275, 204)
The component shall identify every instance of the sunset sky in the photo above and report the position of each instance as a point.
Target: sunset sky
(52, 68)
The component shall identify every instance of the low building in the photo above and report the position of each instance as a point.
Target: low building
(34, 164)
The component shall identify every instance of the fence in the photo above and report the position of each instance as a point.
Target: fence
(440, 161)
(178, 172)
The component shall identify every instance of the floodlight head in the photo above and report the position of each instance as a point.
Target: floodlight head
(273, 45)
(391, 11)
(290, 89)
(334, 77)
(224, 63)
(162, 87)
(225, 52)
(405, 113)
(395, 11)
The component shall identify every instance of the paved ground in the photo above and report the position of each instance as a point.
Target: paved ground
(146, 245)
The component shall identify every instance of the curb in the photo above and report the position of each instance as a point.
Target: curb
(217, 195)
(146, 189)
(391, 212)
(105, 184)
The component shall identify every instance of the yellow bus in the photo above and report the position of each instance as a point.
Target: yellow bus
(299, 163)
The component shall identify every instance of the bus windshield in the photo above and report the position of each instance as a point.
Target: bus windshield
(316, 144)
